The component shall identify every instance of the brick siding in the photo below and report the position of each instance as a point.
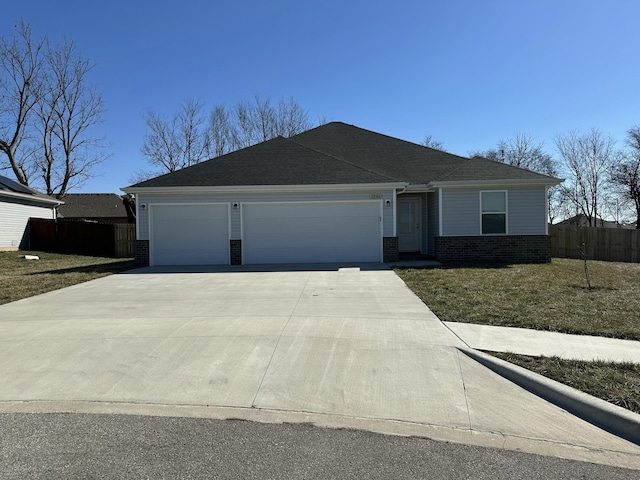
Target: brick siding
(141, 253)
(390, 249)
(235, 247)
(494, 248)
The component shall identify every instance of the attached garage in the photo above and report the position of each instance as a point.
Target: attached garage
(312, 232)
(189, 234)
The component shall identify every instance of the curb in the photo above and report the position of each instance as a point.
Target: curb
(609, 417)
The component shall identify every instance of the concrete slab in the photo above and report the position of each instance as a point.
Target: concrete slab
(343, 346)
(539, 343)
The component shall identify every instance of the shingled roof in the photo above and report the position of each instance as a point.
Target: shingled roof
(11, 188)
(337, 153)
(92, 205)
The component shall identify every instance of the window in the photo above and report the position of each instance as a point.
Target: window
(493, 207)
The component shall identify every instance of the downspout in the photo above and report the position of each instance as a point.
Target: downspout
(395, 207)
(440, 211)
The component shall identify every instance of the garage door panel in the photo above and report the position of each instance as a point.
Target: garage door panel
(368, 226)
(190, 235)
(312, 232)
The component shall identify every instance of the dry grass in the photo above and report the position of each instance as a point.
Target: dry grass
(20, 278)
(546, 297)
(617, 383)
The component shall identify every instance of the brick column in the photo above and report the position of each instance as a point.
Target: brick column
(141, 253)
(235, 248)
(390, 249)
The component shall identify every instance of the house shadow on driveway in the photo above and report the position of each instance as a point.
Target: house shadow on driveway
(115, 267)
(288, 267)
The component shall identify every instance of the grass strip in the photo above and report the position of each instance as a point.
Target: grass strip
(617, 383)
(21, 278)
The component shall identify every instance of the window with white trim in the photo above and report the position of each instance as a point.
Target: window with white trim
(493, 208)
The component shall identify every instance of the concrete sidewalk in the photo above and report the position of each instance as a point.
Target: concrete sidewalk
(540, 343)
(339, 347)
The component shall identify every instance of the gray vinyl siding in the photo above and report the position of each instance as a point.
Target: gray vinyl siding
(236, 221)
(460, 211)
(14, 219)
(526, 210)
(432, 221)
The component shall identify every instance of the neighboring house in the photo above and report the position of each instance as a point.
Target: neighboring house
(17, 204)
(96, 207)
(339, 193)
(582, 220)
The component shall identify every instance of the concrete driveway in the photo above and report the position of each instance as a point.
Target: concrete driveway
(341, 347)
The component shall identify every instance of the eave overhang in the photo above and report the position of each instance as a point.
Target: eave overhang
(33, 199)
(265, 188)
(548, 182)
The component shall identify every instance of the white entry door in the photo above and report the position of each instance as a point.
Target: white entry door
(409, 224)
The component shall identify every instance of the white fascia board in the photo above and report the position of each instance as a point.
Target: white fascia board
(493, 183)
(31, 198)
(266, 188)
(418, 188)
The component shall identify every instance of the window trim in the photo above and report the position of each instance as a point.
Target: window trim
(505, 213)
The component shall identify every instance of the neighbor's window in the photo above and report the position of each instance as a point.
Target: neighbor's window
(493, 206)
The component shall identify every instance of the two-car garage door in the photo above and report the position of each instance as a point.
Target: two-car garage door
(296, 232)
(311, 232)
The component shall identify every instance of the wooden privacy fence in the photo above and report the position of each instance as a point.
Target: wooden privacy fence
(82, 238)
(610, 244)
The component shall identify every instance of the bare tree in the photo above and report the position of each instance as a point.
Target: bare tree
(220, 133)
(290, 119)
(187, 138)
(47, 111)
(260, 120)
(587, 160)
(21, 69)
(67, 110)
(521, 150)
(626, 174)
(172, 144)
(430, 142)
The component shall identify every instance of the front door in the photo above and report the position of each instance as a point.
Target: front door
(408, 224)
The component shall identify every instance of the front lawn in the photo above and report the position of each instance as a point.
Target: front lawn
(21, 278)
(550, 296)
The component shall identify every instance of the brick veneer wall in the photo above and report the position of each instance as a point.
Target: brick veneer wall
(235, 247)
(500, 248)
(141, 253)
(389, 249)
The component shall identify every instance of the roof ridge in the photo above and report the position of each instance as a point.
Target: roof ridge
(346, 162)
(389, 137)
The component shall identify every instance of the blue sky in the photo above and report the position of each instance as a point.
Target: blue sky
(466, 72)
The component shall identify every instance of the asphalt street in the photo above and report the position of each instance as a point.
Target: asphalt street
(56, 446)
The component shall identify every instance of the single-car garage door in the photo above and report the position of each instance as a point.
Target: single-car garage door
(312, 232)
(189, 234)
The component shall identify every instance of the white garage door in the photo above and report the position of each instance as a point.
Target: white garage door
(311, 232)
(189, 235)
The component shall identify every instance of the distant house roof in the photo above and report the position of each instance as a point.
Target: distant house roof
(92, 206)
(12, 189)
(337, 153)
(582, 220)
